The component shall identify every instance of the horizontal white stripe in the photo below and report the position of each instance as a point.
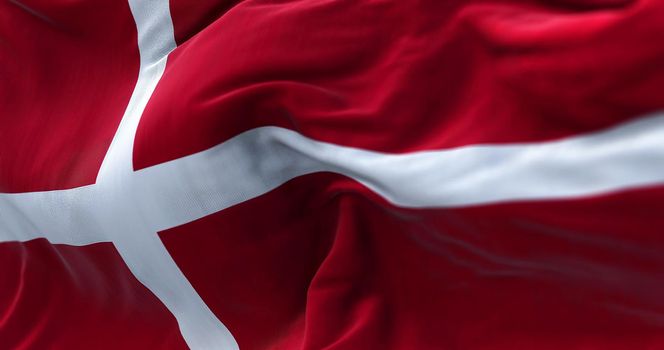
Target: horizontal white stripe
(255, 162)
(176, 192)
(62, 216)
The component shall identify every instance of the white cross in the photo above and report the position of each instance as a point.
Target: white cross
(128, 207)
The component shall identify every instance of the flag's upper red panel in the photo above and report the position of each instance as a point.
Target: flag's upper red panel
(68, 69)
(399, 76)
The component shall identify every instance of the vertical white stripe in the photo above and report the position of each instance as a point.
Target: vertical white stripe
(155, 41)
(134, 237)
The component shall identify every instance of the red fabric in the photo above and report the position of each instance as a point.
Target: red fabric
(63, 297)
(323, 262)
(400, 76)
(331, 265)
(67, 70)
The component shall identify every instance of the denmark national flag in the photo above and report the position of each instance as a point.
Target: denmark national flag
(331, 174)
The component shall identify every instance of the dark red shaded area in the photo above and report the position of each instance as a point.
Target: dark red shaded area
(65, 297)
(400, 76)
(68, 69)
(322, 262)
(192, 17)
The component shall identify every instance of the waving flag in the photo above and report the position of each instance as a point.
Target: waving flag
(331, 174)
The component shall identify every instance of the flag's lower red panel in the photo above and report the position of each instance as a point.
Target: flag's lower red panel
(64, 297)
(322, 262)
